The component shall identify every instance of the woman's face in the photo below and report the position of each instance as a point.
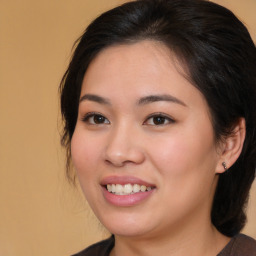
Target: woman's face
(143, 146)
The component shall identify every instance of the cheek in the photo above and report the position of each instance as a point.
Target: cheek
(185, 159)
(84, 153)
(186, 167)
(176, 152)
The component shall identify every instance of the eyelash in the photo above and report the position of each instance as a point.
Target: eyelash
(86, 118)
(162, 118)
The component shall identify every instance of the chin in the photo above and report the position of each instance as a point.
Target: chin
(127, 231)
(126, 224)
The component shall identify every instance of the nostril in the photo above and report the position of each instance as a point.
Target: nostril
(115, 163)
(119, 160)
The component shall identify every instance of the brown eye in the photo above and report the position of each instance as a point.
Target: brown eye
(95, 119)
(158, 119)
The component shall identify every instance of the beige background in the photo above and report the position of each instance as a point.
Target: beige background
(40, 213)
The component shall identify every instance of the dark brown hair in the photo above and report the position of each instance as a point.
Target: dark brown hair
(220, 57)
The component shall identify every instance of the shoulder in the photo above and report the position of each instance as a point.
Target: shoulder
(244, 245)
(240, 245)
(101, 248)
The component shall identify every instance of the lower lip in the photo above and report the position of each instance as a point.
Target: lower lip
(126, 200)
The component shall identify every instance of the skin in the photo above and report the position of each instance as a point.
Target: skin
(179, 155)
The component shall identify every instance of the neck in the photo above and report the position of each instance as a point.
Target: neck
(199, 241)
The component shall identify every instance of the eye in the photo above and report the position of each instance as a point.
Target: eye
(158, 119)
(95, 119)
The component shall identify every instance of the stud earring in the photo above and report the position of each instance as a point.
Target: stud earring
(225, 166)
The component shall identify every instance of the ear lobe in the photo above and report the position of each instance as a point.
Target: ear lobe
(232, 147)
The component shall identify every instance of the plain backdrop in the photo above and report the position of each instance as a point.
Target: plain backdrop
(40, 213)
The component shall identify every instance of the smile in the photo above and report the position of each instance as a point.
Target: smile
(127, 189)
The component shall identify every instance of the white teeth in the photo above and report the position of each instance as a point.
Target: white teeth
(119, 189)
(127, 189)
(143, 188)
(136, 188)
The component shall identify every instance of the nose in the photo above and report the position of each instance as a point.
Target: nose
(124, 147)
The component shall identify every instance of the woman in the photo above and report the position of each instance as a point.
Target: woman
(158, 103)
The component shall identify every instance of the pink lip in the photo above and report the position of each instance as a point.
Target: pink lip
(122, 180)
(125, 200)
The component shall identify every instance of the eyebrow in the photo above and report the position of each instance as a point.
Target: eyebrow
(163, 97)
(142, 101)
(95, 98)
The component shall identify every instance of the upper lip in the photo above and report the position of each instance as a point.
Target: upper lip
(122, 180)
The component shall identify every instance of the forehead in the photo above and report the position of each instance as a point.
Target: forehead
(123, 74)
(138, 69)
(141, 61)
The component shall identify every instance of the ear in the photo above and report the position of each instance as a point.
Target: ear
(232, 147)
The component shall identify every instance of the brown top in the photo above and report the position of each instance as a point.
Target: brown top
(239, 245)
